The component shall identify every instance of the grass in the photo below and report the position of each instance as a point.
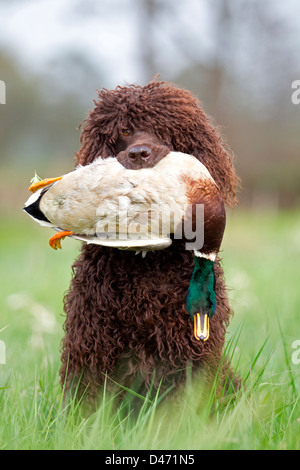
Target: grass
(261, 253)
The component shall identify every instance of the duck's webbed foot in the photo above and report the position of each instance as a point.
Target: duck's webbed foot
(55, 241)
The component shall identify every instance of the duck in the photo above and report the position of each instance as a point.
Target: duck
(143, 210)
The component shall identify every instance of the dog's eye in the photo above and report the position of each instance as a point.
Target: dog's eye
(126, 132)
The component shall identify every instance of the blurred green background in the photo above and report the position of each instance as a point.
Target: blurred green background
(241, 58)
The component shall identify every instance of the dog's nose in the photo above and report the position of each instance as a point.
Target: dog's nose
(139, 152)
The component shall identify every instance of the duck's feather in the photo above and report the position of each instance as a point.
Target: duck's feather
(131, 245)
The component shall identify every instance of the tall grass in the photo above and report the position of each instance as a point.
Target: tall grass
(260, 258)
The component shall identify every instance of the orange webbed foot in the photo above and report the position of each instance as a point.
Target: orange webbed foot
(40, 184)
(55, 241)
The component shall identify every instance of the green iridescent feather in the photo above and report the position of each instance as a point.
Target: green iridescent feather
(201, 297)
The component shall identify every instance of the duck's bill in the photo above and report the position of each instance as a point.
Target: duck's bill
(201, 326)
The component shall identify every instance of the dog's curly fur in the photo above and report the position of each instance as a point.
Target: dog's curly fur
(126, 315)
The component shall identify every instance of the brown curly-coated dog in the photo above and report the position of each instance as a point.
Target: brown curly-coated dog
(126, 315)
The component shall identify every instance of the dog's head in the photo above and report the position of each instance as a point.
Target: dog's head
(139, 149)
(140, 125)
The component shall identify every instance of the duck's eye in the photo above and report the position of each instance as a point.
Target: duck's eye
(126, 132)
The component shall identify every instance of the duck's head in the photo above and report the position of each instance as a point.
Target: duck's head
(201, 299)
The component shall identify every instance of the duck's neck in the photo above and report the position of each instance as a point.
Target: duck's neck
(201, 296)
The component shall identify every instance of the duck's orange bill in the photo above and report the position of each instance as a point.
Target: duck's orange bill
(40, 184)
(201, 326)
(55, 241)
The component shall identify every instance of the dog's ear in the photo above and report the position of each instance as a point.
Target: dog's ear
(96, 141)
(219, 161)
(91, 145)
(217, 156)
(204, 141)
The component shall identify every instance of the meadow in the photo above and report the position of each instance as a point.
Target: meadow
(260, 252)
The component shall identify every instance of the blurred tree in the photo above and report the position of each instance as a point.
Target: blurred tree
(71, 73)
(34, 125)
(148, 11)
